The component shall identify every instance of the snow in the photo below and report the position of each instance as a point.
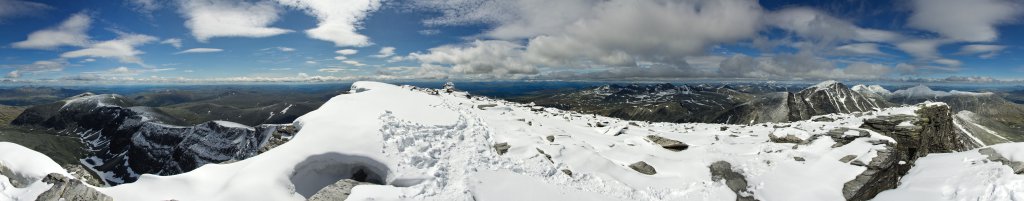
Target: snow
(440, 147)
(232, 124)
(872, 89)
(825, 84)
(24, 166)
(961, 176)
(922, 91)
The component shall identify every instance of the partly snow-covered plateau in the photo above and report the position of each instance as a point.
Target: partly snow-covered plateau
(407, 143)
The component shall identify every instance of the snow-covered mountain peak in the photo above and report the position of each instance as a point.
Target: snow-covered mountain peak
(923, 91)
(872, 89)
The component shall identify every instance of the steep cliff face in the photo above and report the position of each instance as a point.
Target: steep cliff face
(930, 131)
(125, 141)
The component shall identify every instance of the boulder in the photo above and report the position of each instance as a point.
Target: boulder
(643, 168)
(669, 144)
(68, 189)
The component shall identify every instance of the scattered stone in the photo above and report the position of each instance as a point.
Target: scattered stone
(634, 124)
(847, 158)
(643, 168)
(485, 106)
(602, 124)
(567, 172)
(550, 138)
(501, 148)
(786, 139)
(722, 170)
(823, 119)
(669, 144)
(799, 158)
(724, 128)
(546, 156)
(68, 189)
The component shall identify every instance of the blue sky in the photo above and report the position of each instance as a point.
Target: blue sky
(310, 40)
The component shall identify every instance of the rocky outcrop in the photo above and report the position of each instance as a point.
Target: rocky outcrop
(69, 189)
(931, 130)
(337, 191)
(993, 155)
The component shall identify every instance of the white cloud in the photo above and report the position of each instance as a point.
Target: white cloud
(986, 51)
(354, 63)
(338, 20)
(13, 74)
(174, 42)
(347, 52)
(820, 26)
(340, 58)
(125, 71)
(15, 8)
(285, 49)
(860, 48)
(429, 32)
(122, 48)
(922, 48)
(385, 52)
(213, 18)
(310, 62)
(334, 70)
(964, 20)
(87, 60)
(480, 57)
(145, 6)
(947, 62)
(71, 32)
(798, 66)
(200, 50)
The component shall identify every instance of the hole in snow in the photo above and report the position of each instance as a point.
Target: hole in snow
(319, 171)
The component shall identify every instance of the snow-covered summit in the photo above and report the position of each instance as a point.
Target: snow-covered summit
(419, 146)
(922, 91)
(872, 89)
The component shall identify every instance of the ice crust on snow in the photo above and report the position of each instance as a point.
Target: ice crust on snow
(439, 147)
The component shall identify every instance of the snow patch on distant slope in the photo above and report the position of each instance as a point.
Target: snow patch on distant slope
(873, 89)
(922, 91)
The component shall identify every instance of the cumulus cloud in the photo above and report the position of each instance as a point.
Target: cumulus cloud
(52, 65)
(121, 48)
(354, 63)
(174, 42)
(338, 20)
(71, 32)
(214, 18)
(480, 57)
(15, 8)
(385, 52)
(860, 48)
(200, 50)
(922, 48)
(814, 24)
(985, 51)
(800, 66)
(972, 21)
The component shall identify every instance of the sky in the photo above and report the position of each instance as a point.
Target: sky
(347, 40)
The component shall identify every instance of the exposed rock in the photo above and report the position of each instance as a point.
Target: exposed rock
(485, 106)
(550, 138)
(501, 148)
(786, 139)
(1017, 166)
(67, 189)
(722, 170)
(881, 174)
(669, 144)
(337, 191)
(567, 172)
(847, 158)
(823, 119)
(643, 168)
(797, 158)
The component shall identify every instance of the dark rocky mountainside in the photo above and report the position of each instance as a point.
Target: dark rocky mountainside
(734, 104)
(124, 140)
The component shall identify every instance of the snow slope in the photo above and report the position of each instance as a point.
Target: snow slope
(965, 175)
(27, 168)
(440, 147)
